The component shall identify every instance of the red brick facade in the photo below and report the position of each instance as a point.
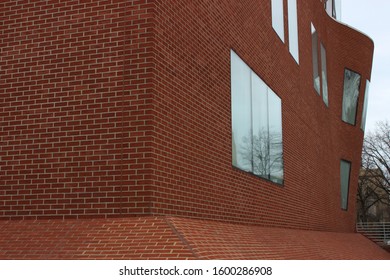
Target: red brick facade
(123, 108)
(75, 88)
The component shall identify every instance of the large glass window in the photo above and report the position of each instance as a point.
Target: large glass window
(293, 29)
(350, 96)
(277, 17)
(314, 47)
(363, 124)
(257, 145)
(345, 169)
(324, 75)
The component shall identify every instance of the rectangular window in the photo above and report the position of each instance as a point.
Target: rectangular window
(350, 96)
(278, 17)
(324, 76)
(345, 169)
(260, 127)
(257, 145)
(363, 124)
(241, 113)
(314, 47)
(293, 29)
(275, 137)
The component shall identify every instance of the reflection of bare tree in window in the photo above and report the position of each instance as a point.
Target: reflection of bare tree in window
(351, 94)
(264, 152)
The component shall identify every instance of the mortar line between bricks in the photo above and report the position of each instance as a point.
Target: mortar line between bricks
(181, 237)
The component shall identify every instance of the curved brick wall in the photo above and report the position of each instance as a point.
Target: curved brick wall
(112, 108)
(194, 174)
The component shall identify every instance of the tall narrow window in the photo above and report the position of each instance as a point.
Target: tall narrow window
(345, 169)
(260, 127)
(241, 113)
(257, 145)
(363, 124)
(278, 17)
(350, 96)
(275, 137)
(314, 47)
(317, 80)
(293, 29)
(324, 76)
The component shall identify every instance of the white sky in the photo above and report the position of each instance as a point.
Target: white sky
(373, 18)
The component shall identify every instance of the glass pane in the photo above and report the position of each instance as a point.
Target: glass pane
(314, 47)
(275, 137)
(324, 76)
(363, 125)
(344, 181)
(260, 127)
(329, 6)
(350, 96)
(337, 9)
(241, 113)
(277, 17)
(293, 29)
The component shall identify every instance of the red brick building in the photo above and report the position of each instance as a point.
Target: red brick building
(123, 130)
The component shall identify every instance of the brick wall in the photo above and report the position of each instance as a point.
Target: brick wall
(74, 77)
(123, 108)
(194, 176)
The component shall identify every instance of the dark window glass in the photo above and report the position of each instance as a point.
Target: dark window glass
(350, 96)
(345, 169)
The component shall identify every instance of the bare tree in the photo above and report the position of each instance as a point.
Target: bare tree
(374, 179)
(264, 153)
